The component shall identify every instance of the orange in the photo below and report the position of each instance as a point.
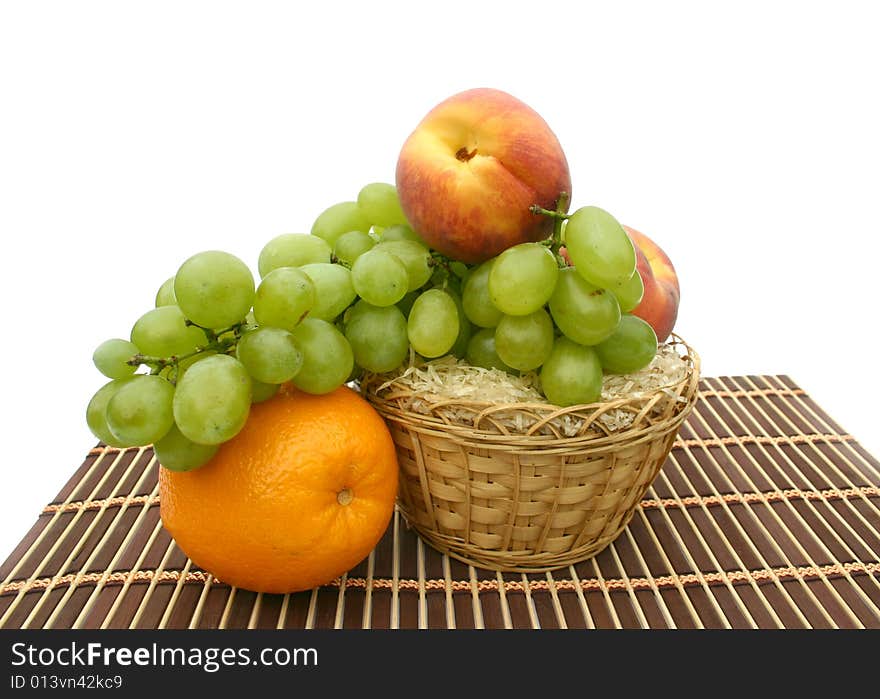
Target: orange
(301, 495)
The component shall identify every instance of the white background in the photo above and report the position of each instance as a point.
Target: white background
(743, 138)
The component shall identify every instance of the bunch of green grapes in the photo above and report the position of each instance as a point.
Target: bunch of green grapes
(566, 316)
(361, 292)
(218, 342)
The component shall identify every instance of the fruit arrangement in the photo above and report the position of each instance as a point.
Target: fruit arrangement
(471, 257)
(473, 253)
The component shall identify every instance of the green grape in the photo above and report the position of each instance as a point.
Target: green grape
(433, 323)
(380, 204)
(96, 412)
(140, 412)
(214, 289)
(631, 346)
(213, 399)
(475, 298)
(111, 358)
(350, 246)
(572, 374)
(163, 332)
(524, 342)
(379, 278)
(327, 356)
(583, 312)
(270, 355)
(284, 297)
(599, 248)
(292, 250)
(415, 257)
(177, 453)
(406, 303)
(481, 351)
(377, 336)
(262, 391)
(338, 219)
(459, 269)
(165, 296)
(629, 294)
(400, 232)
(334, 291)
(522, 279)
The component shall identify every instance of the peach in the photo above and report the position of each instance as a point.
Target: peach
(471, 169)
(659, 304)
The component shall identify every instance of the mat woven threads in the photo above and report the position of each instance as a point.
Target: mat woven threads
(530, 501)
(765, 515)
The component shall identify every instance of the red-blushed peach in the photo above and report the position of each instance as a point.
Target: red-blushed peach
(659, 305)
(471, 169)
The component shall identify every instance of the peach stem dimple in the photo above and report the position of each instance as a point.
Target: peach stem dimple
(344, 496)
(463, 154)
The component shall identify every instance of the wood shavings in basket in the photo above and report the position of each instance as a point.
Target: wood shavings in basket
(449, 387)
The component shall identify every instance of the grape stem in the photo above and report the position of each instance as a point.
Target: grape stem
(559, 216)
(438, 260)
(561, 207)
(214, 344)
(337, 261)
(535, 209)
(443, 264)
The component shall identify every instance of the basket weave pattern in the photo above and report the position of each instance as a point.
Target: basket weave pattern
(531, 500)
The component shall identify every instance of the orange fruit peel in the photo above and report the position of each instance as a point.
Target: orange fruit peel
(297, 498)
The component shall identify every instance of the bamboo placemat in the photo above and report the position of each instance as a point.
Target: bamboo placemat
(766, 515)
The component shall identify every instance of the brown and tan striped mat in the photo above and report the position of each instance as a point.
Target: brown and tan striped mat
(766, 514)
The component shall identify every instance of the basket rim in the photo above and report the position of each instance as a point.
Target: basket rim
(685, 389)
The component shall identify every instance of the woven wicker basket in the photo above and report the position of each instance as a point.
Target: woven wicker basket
(534, 499)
